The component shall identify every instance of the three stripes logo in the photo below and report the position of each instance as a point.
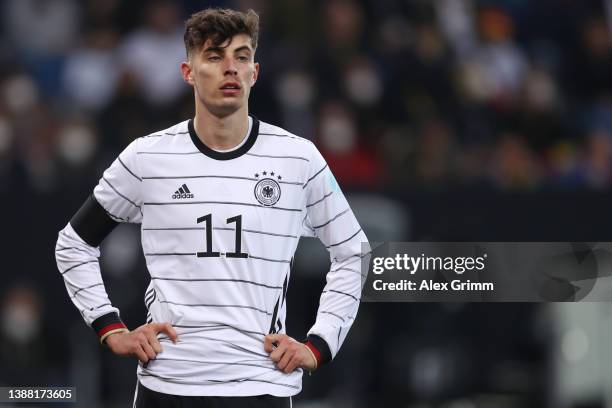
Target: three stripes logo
(182, 192)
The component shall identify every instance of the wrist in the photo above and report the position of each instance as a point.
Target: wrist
(319, 348)
(309, 347)
(108, 338)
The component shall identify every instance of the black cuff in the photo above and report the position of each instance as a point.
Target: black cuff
(322, 346)
(109, 321)
(92, 223)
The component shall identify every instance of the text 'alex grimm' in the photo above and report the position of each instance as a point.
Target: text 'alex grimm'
(430, 286)
(411, 264)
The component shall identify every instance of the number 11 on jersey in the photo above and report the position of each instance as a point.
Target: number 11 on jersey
(238, 247)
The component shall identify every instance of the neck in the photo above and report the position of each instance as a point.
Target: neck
(221, 133)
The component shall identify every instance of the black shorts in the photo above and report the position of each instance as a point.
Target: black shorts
(146, 398)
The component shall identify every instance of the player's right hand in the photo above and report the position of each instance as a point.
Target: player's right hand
(142, 342)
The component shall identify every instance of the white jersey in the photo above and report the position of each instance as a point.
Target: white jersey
(219, 231)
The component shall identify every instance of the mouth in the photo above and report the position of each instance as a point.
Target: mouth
(230, 88)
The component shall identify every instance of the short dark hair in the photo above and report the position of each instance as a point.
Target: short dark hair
(219, 25)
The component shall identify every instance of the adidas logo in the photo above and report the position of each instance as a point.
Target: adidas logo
(182, 192)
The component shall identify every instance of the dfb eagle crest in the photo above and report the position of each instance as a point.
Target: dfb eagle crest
(267, 190)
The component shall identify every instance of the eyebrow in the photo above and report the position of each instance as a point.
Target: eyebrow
(222, 50)
(243, 48)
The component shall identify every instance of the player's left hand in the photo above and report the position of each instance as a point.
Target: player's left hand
(288, 353)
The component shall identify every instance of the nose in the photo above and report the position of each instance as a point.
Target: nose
(230, 67)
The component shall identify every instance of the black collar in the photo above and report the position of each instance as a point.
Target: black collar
(213, 154)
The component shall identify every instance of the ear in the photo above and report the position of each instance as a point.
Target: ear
(186, 72)
(255, 74)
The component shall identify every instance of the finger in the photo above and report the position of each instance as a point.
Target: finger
(169, 330)
(278, 353)
(165, 328)
(149, 350)
(285, 360)
(153, 342)
(278, 337)
(293, 364)
(268, 343)
(140, 353)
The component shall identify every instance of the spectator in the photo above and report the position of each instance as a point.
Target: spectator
(153, 53)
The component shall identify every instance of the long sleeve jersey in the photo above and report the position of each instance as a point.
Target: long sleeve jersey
(219, 231)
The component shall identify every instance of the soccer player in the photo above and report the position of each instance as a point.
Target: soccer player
(222, 200)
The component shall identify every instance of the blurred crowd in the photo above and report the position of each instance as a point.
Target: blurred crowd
(495, 94)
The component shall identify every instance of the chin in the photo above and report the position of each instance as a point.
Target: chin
(225, 109)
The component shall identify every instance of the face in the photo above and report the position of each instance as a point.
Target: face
(222, 76)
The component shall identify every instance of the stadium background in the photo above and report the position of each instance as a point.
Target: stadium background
(442, 120)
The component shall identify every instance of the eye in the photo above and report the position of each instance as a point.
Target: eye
(214, 58)
(243, 58)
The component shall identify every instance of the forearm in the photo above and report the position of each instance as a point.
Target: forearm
(338, 304)
(77, 261)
